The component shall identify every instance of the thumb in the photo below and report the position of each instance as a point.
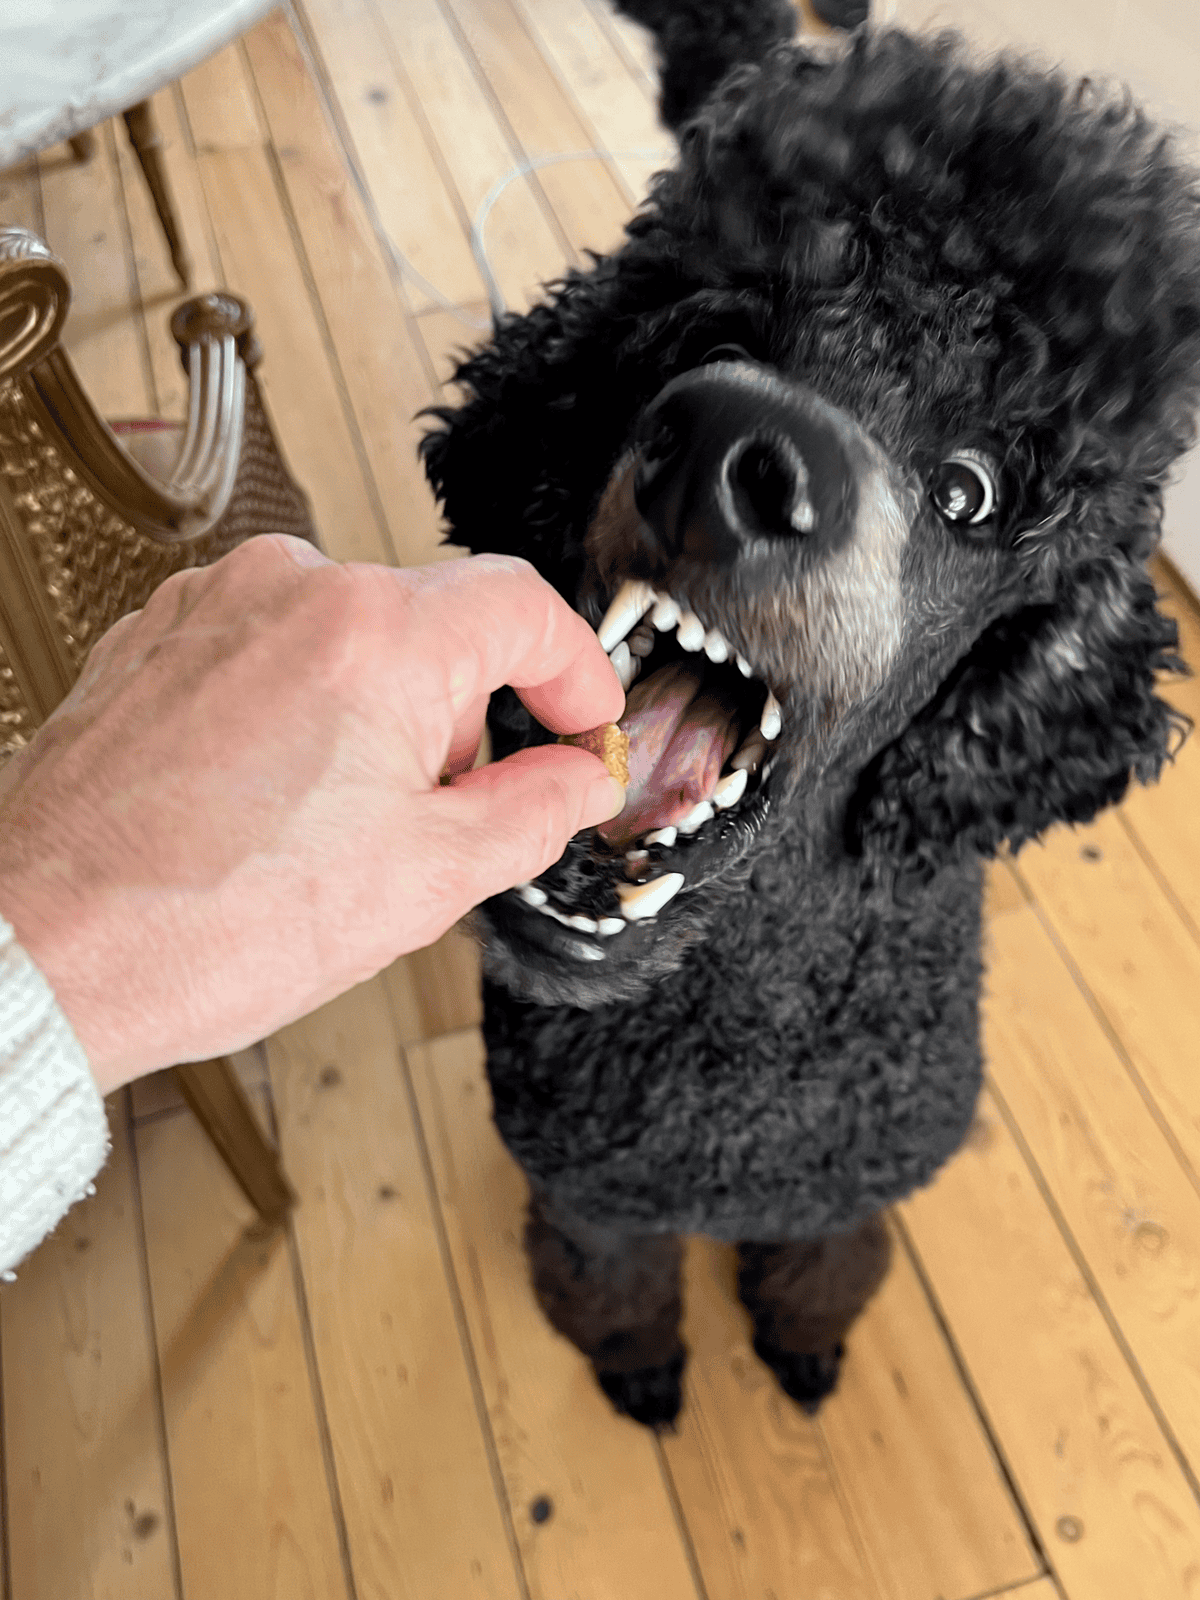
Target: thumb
(512, 819)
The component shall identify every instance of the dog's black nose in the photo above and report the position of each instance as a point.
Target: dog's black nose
(731, 455)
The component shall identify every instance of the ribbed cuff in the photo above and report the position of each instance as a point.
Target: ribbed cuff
(53, 1132)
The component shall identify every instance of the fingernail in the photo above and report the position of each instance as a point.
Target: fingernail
(608, 798)
(303, 553)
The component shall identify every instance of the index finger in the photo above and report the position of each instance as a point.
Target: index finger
(491, 620)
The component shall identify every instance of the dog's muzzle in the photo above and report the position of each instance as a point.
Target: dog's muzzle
(734, 460)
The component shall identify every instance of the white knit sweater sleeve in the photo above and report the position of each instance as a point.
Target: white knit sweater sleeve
(53, 1132)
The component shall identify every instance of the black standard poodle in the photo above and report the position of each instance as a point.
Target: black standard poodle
(853, 454)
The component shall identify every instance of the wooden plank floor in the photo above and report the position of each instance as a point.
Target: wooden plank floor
(371, 1406)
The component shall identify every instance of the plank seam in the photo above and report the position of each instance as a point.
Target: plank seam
(968, 1383)
(604, 22)
(349, 413)
(499, 1487)
(316, 1387)
(1109, 1029)
(591, 132)
(306, 35)
(160, 1405)
(1019, 1588)
(1158, 875)
(395, 263)
(508, 132)
(1094, 1289)
(131, 269)
(685, 1533)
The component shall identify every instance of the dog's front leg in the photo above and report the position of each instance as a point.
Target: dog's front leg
(616, 1295)
(803, 1295)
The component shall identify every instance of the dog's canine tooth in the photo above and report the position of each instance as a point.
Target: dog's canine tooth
(664, 836)
(630, 604)
(639, 900)
(625, 664)
(715, 647)
(696, 817)
(531, 894)
(665, 614)
(749, 757)
(585, 952)
(690, 632)
(607, 926)
(730, 789)
(771, 720)
(744, 667)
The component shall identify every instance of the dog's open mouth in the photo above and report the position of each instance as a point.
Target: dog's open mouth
(702, 729)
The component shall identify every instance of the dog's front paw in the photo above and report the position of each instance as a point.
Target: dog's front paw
(806, 1378)
(652, 1395)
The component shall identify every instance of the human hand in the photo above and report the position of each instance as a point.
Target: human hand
(236, 814)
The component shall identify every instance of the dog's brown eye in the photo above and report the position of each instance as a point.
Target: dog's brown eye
(963, 489)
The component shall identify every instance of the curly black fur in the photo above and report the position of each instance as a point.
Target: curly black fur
(949, 254)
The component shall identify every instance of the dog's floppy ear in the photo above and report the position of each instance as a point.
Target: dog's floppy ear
(1046, 719)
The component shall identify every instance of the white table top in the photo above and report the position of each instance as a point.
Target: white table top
(67, 64)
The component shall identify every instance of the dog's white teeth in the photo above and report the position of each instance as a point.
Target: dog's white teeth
(607, 926)
(715, 647)
(531, 894)
(639, 900)
(665, 614)
(625, 664)
(636, 857)
(696, 817)
(641, 640)
(771, 720)
(585, 952)
(744, 667)
(631, 603)
(664, 836)
(583, 924)
(749, 758)
(730, 789)
(690, 632)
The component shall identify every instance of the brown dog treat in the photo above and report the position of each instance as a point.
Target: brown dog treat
(607, 742)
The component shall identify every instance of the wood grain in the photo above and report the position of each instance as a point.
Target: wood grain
(363, 307)
(1108, 1500)
(914, 1464)
(1132, 1210)
(1139, 960)
(1164, 819)
(436, 991)
(89, 1510)
(589, 201)
(303, 391)
(381, 115)
(21, 199)
(158, 287)
(524, 241)
(412, 1450)
(755, 1483)
(610, 1529)
(253, 1504)
(85, 225)
(617, 105)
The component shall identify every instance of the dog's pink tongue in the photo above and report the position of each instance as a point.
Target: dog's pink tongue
(679, 739)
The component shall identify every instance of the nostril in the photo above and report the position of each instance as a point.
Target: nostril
(768, 486)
